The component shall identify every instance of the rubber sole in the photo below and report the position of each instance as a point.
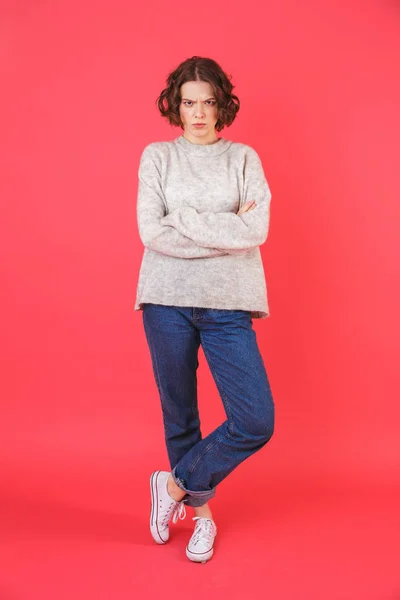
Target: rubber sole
(201, 558)
(154, 510)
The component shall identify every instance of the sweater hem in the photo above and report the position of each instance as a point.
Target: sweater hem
(256, 313)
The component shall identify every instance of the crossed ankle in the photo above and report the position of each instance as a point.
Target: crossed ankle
(204, 513)
(174, 490)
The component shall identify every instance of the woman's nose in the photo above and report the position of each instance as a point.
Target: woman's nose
(199, 110)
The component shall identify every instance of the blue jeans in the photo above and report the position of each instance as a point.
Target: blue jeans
(174, 334)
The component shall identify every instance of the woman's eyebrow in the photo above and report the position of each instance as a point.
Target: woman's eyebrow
(211, 98)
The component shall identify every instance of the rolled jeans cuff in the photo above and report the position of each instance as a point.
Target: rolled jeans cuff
(192, 498)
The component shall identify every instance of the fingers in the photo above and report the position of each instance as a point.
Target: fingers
(249, 205)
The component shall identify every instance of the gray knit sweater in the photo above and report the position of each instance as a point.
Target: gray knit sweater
(198, 251)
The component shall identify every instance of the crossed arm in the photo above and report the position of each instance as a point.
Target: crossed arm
(187, 233)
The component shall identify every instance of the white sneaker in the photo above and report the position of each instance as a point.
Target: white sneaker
(201, 545)
(163, 507)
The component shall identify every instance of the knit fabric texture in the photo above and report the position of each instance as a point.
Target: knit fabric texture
(197, 251)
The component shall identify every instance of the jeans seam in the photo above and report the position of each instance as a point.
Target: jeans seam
(222, 392)
(204, 451)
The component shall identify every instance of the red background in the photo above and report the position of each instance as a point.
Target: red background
(313, 515)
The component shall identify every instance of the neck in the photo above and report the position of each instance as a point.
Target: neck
(203, 141)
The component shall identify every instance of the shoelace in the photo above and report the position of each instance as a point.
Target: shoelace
(204, 529)
(177, 510)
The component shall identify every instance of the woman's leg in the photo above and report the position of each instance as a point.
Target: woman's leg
(174, 342)
(231, 349)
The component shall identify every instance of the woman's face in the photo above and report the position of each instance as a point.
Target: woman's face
(198, 106)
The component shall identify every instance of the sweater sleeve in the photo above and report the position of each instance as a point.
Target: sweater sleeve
(150, 210)
(227, 230)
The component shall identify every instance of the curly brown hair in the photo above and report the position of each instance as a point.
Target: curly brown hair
(198, 68)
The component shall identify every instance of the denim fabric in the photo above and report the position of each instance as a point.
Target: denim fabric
(174, 334)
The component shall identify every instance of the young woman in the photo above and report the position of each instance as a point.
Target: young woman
(203, 211)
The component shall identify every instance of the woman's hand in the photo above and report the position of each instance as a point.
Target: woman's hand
(249, 205)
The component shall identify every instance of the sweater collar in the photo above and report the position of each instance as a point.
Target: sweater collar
(203, 149)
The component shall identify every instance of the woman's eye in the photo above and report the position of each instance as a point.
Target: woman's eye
(210, 102)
